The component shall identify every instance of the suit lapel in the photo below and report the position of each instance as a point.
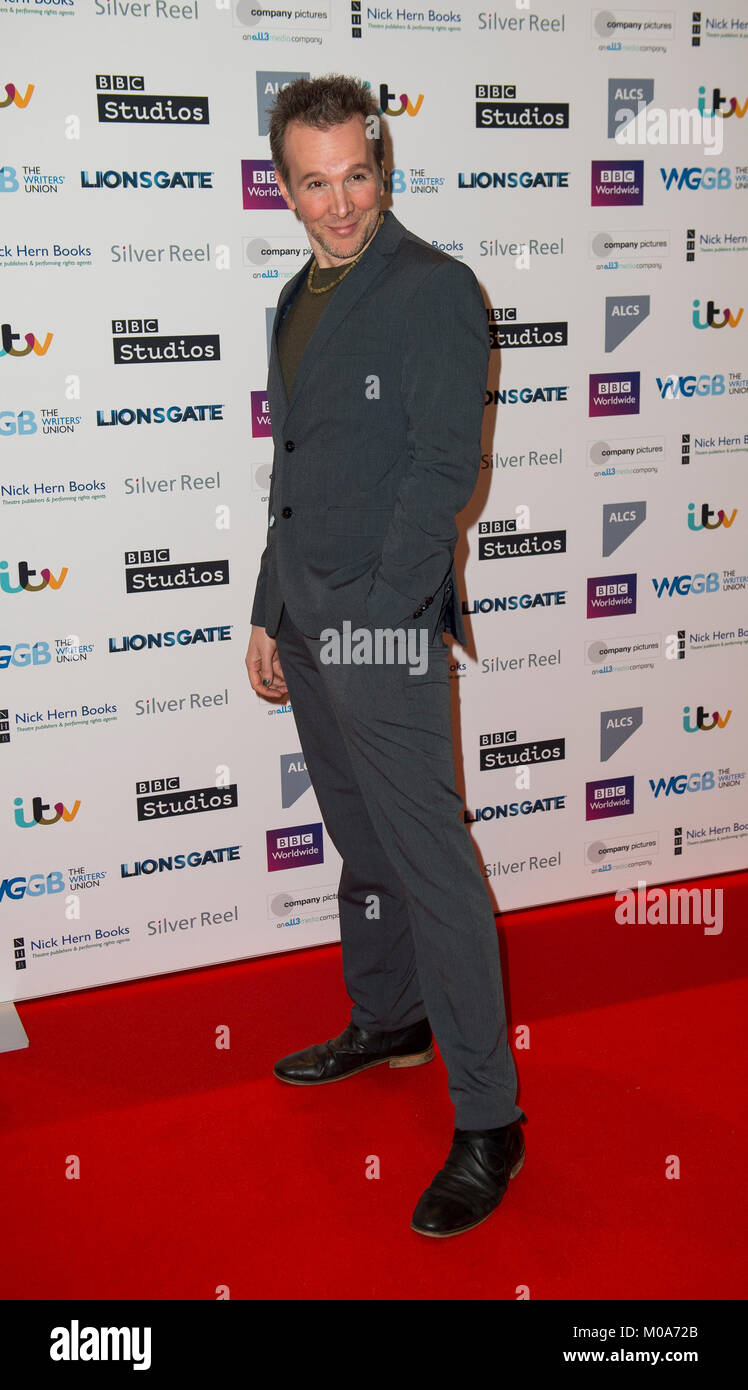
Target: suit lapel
(276, 384)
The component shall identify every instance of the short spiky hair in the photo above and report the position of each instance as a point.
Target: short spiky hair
(321, 102)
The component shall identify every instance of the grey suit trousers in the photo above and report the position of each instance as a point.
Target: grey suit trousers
(416, 920)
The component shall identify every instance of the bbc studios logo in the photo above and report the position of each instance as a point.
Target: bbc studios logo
(497, 108)
(160, 798)
(150, 571)
(137, 342)
(123, 99)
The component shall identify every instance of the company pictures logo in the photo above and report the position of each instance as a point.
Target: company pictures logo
(149, 571)
(123, 99)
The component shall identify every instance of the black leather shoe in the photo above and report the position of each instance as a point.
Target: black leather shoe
(472, 1182)
(353, 1051)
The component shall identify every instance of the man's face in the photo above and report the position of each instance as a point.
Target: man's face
(334, 186)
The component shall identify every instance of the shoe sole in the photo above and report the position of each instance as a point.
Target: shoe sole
(445, 1235)
(415, 1059)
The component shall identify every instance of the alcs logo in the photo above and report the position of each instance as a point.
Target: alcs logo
(24, 579)
(32, 887)
(33, 344)
(38, 807)
(13, 95)
(24, 654)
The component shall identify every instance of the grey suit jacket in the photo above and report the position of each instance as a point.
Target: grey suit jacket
(378, 447)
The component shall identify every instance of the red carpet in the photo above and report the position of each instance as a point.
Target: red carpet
(199, 1171)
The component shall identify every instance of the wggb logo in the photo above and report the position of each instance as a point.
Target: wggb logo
(21, 422)
(24, 654)
(31, 886)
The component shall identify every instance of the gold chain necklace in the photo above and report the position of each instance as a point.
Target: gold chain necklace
(326, 288)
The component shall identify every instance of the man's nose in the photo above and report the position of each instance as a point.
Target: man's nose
(341, 200)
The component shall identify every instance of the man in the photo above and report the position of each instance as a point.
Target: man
(376, 388)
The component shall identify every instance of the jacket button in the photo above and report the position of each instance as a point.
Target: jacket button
(428, 601)
(290, 445)
(287, 511)
(271, 521)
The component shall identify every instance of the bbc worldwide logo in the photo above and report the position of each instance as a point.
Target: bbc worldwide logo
(259, 186)
(295, 846)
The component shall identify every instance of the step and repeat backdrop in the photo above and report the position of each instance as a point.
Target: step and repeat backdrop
(591, 166)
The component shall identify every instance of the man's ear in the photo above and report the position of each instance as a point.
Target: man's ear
(286, 195)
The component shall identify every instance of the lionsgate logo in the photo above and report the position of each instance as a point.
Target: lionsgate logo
(505, 332)
(501, 750)
(123, 99)
(497, 108)
(162, 797)
(150, 571)
(137, 341)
